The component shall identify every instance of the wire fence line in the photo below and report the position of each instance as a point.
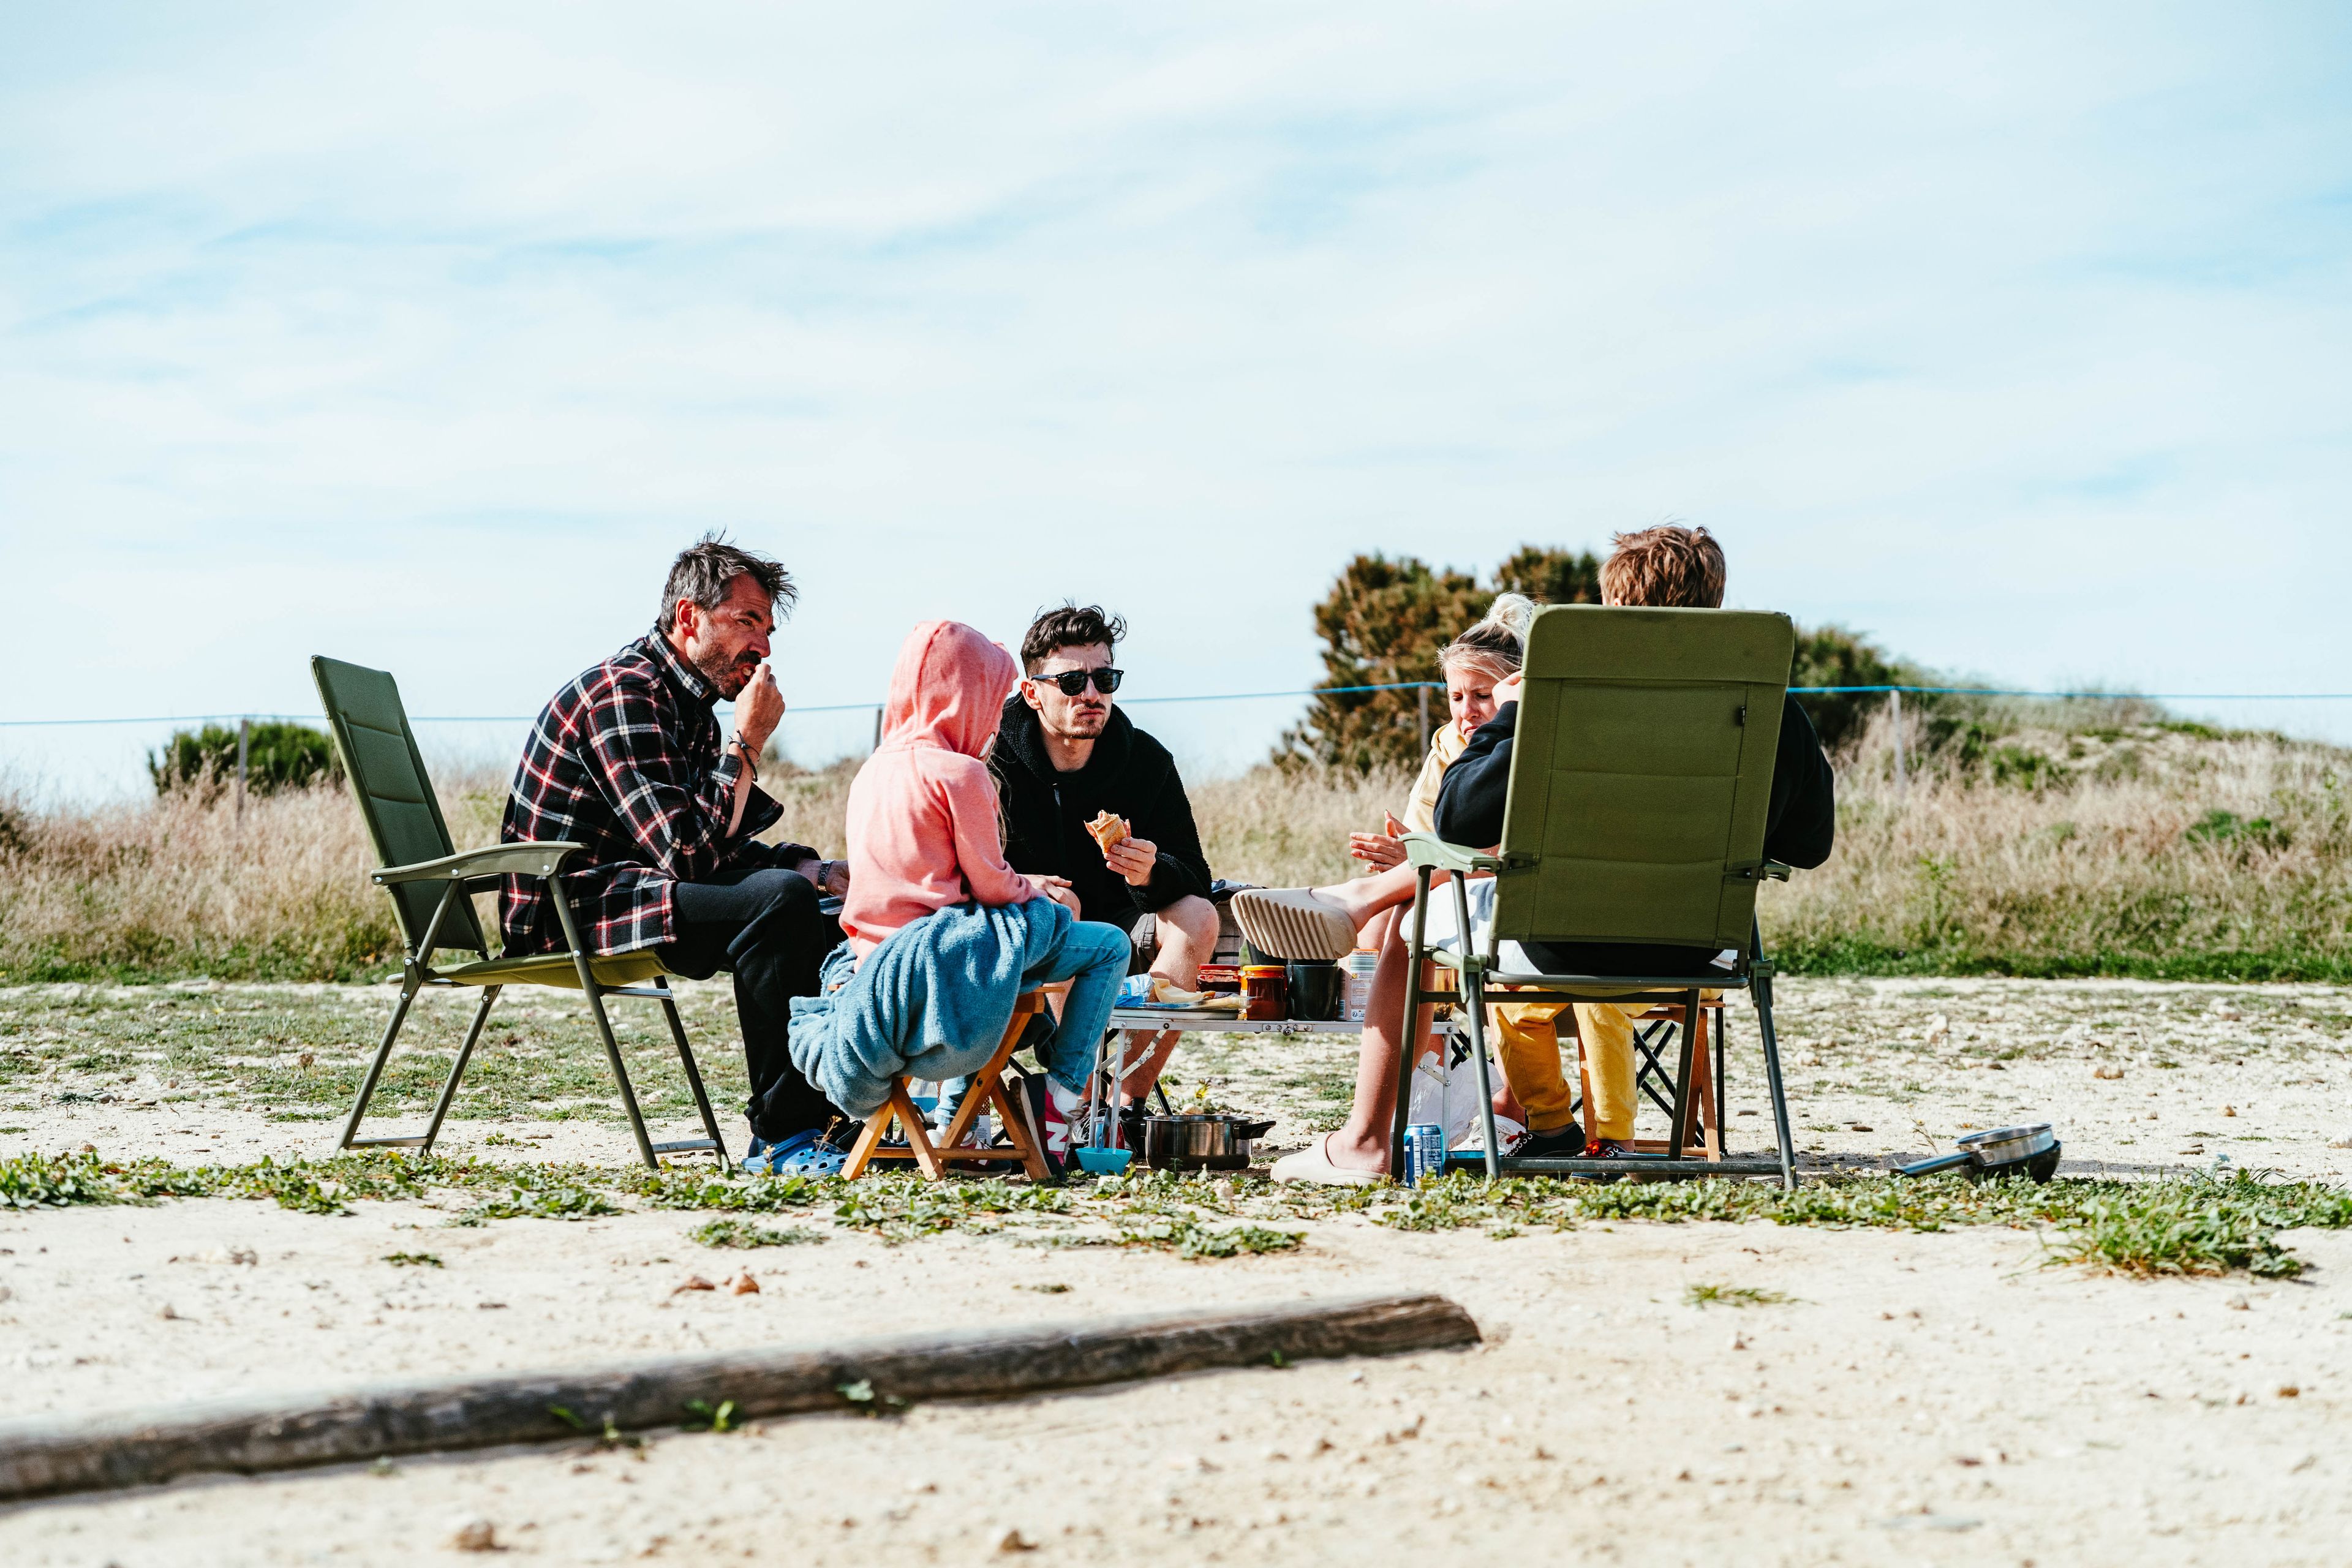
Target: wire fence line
(1420, 688)
(1257, 696)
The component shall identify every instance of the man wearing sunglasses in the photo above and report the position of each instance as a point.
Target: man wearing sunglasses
(1065, 753)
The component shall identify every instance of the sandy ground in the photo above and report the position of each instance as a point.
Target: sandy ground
(2140, 1078)
(1929, 1398)
(1921, 1398)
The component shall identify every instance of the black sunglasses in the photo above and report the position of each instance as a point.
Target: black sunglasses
(1072, 681)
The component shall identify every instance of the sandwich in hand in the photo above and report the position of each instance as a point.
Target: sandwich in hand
(1108, 831)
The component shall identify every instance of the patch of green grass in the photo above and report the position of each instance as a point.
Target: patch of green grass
(2210, 1225)
(699, 1187)
(744, 1233)
(565, 1200)
(2204, 1225)
(412, 1260)
(63, 1181)
(1731, 1296)
(1193, 1239)
(701, 1415)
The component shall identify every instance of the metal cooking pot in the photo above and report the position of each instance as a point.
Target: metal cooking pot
(2032, 1149)
(1199, 1142)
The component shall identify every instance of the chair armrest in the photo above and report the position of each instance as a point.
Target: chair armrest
(500, 859)
(1429, 849)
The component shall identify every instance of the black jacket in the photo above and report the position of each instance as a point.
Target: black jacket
(1800, 825)
(1129, 775)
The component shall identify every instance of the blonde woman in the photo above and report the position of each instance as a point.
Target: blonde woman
(1330, 921)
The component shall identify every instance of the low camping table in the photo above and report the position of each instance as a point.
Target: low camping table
(1112, 1064)
(1154, 1018)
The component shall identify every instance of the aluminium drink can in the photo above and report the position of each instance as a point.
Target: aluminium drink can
(1424, 1151)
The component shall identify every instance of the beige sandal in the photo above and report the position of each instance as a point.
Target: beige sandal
(1292, 922)
(1312, 1164)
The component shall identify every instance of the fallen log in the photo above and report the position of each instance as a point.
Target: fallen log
(141, 1448)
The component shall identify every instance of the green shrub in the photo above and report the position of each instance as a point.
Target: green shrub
(278, 756)
(2018, 767)
(1831, 655)
(1386, 621)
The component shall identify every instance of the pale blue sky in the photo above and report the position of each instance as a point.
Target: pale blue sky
(2016, 336)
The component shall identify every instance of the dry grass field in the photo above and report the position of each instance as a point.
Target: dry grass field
(2134, 847)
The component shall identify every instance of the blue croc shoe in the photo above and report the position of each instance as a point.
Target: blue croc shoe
(823, 1154)
(766, 1159)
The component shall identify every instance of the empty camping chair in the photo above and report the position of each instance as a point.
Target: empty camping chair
(431, 887)
(1640, 776)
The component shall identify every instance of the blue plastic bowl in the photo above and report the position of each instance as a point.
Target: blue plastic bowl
(1103, 1162)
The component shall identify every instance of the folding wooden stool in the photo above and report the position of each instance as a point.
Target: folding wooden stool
(1702, 1129)
(987, 1090)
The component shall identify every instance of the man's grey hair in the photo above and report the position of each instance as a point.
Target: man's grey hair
(704, 569)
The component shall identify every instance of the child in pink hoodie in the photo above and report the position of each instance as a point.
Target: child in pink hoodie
(924, 834)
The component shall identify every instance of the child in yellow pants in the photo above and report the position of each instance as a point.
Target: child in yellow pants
(1527, 1038)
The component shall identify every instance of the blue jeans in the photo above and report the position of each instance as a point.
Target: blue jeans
(1094, 956)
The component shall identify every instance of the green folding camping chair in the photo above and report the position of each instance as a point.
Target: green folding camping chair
(431, 886)
(1641, 774)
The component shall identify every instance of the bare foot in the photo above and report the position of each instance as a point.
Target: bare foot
(1349, 899)
(1349, 1154)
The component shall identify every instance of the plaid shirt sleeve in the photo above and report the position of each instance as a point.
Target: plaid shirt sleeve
(626, 761)
(675, 806)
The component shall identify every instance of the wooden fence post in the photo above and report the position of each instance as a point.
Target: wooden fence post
(1894, 706)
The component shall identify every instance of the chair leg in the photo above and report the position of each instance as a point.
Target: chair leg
(869, 1139)
(620, 1068)
(993, 1070)
(1722, 1115)
(919, 1136)
(1649, 1072)
(1703, 1127)
(1017, 1127)
(1408, 1031)
(693, 1072)
(458, 1068)
(1475, 1002)
(1763, 992)
(1680, 1119)
(408, 991)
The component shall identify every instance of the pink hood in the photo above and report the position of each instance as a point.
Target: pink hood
(922, 811)
(948, 690)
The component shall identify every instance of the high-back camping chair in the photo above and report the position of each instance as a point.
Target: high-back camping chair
(1641, 774)
(431, 885)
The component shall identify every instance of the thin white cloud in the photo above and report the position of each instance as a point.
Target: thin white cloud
(2014, 336)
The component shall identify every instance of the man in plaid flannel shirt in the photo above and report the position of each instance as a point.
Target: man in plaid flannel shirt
(628, 760)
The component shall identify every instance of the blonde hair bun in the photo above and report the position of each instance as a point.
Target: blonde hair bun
(1496, 645)
(1515, 612)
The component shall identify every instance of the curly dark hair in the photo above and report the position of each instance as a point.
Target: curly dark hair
(704, 569)
(1072, 625)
